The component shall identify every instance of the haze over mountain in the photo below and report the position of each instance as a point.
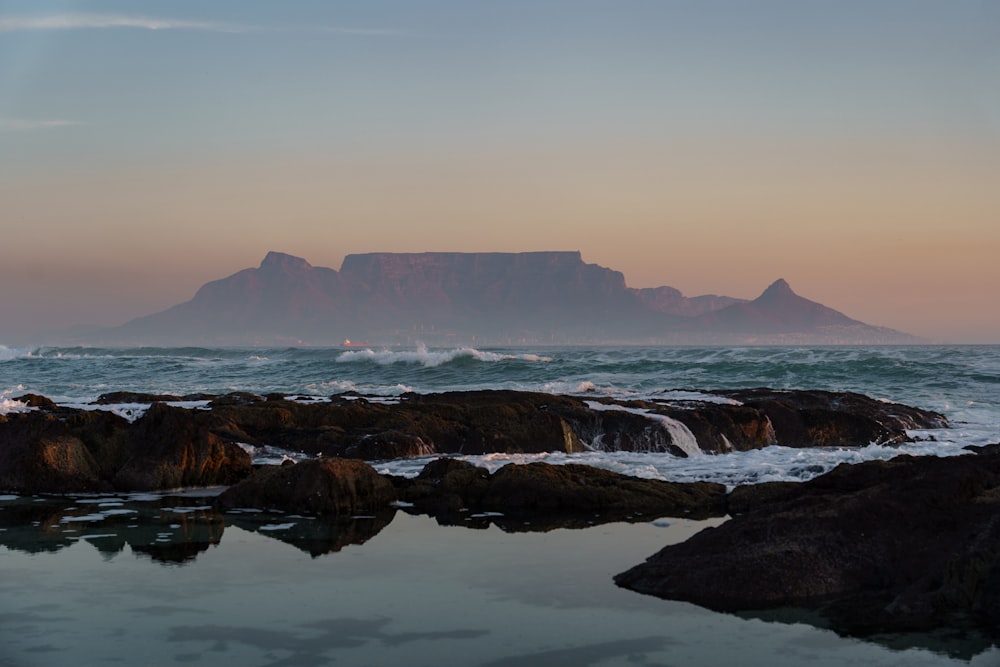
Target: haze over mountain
(477, 298)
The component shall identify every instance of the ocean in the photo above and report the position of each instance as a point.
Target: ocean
(159, 579)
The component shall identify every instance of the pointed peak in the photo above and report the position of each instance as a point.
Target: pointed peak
(280, 260)
(779, 287)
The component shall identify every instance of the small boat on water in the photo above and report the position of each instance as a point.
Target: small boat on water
(349, 343)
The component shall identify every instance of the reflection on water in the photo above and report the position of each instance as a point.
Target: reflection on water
(165, 580)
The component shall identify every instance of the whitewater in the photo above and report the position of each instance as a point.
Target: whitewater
(961, 382)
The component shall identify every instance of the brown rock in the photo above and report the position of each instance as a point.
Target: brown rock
(172, 447)
(445, 485)
(320, 487)
(389, 445)
(835, 419)
(40, 454)
(36, 401)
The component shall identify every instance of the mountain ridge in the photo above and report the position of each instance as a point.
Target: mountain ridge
(478, 298)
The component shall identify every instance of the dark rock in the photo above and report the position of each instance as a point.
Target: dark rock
(116, 397)
(542, 487)
(898, 545)
(835, 419)
(388, 445)
(993, 449)
(751, 497)
(483, 422)
(41, 453)
(235, 398)
(445, 485)
(36, 401)
(171, 447)
(458, 422)
(556, 495)
(326, 486)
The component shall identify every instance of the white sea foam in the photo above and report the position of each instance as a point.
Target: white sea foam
(133, 411)
(93, 518)
(367, 390)
(277, 526)
(680, 435)
(10, 353)
(576, 388)
(770, 464)
(187, 510)
(267, 455)
(9, 405)
(682, 396)
(432, 358)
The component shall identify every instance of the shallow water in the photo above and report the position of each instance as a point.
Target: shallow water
(150, 580)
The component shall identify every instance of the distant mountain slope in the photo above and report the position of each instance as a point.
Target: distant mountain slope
(777, 310)
(498, 298)
(670, 300)
(779, 314)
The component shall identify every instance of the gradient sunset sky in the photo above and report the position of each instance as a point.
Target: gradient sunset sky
(850, 147)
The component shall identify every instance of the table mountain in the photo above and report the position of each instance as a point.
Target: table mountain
(478, 298)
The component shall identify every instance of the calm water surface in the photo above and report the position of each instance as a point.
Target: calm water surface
(149, 580)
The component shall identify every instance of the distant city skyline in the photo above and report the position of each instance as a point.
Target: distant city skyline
(851, 148)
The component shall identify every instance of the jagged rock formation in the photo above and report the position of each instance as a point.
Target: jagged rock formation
(62, 450)
(499, 298)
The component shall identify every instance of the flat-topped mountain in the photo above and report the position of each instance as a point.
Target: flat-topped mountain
(499, 298)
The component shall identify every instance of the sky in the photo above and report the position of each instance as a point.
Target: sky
(849, 147)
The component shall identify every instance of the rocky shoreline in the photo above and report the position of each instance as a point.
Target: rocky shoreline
(908, 544)
(56, 449)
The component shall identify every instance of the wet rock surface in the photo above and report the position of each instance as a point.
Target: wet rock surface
(167, 449)
(61, 450)
(448, 486)
(834, 419)
(320, 487)
(908, 544)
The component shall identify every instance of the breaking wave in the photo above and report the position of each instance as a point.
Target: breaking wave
(432, 358)
(8, 404)
(10, 353)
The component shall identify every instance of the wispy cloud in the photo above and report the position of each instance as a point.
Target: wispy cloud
(105, 21)
(96, 21)
(29, 124)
